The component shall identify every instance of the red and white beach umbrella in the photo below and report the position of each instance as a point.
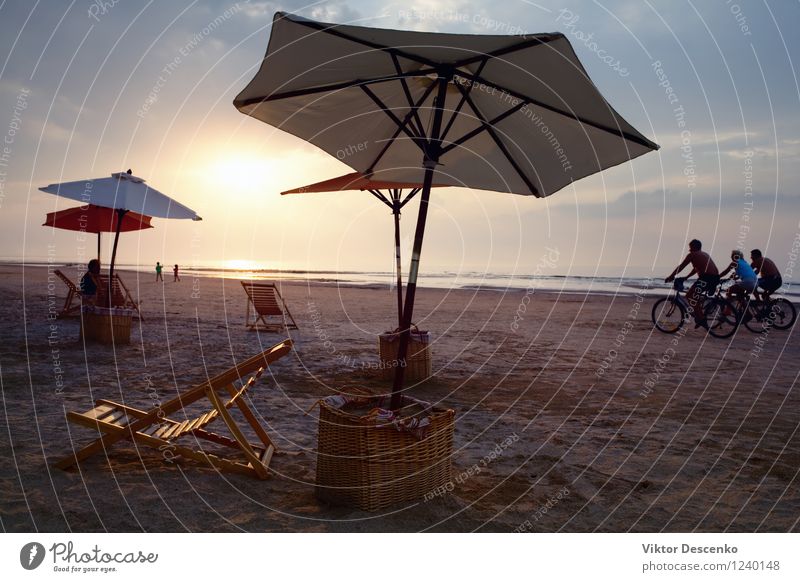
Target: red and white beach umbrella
(123, 193)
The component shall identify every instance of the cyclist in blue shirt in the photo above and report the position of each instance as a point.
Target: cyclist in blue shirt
(746, 279)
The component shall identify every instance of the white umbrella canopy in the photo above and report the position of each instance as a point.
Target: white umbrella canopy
(522, 114)
(515, 114)
(125, 193)
(122, 191)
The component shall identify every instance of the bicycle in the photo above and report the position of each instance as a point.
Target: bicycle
(760, 315)
(672, 312)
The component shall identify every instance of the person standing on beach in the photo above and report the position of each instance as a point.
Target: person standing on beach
(175, 273)
(158, 272)
(770, 279)
(707, 279)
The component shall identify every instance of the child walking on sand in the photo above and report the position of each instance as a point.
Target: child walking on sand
(175, 272)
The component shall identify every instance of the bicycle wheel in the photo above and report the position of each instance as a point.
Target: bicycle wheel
(668, 315)
(782, 313)
(722, 317)
(753, 318)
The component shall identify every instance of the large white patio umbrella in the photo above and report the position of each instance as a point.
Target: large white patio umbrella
(125, 193)
(515, 114)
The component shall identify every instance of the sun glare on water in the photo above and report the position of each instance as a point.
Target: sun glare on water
(242, 265)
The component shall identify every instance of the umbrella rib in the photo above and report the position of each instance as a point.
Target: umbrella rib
(379, 195)
(485, 126)
(421, 142)
(538, 40)
(493, 134)
(461, 102)
(399, 129)
(329, 88)
(407, 92)
(618, 132)
(411, 194)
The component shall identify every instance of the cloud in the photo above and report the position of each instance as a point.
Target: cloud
(336, 11)
(632, 204)
(54, 132)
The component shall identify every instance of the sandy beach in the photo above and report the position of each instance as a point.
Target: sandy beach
(609, 425)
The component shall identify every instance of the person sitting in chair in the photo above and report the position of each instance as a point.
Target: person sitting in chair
(90, 282)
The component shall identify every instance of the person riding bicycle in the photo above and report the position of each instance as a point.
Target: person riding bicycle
(743, 273)
(707, 279)
(769, 277)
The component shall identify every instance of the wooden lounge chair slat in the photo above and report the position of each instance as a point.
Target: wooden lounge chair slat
(113, 417)
(99, 411)
(161, 429)
(174, 429)
(151, 430)
(195, 423)
(131, 411)
(154, 429)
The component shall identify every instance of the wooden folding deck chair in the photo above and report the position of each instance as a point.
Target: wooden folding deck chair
(121, 295)
(73, 294)
(267, 303)
(154, 429)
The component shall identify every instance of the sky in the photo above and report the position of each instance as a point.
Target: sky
(88, 88)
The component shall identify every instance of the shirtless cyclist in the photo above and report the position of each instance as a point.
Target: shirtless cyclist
(769, 277)
(707, 279)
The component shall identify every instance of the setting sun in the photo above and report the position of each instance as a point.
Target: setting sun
(243, 173)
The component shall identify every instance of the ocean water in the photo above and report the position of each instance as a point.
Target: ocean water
(473, 280)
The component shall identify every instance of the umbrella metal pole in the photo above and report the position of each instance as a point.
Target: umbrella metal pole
(431, 158)
(120, 216)
(98, 246)
(398, 261)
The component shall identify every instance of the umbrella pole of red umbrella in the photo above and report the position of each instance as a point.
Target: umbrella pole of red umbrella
(120, 216)
(98, 246)
(430, 160)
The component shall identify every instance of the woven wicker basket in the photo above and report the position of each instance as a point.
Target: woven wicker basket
(106, 326)
(418, 360)
(365, 464)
